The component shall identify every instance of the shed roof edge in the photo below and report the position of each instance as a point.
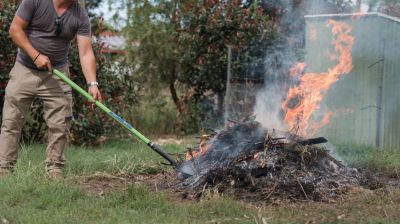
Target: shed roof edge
(354, 14)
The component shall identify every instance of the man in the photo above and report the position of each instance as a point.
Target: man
(43, 31)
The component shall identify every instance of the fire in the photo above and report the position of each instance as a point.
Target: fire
(358, 15)
(203, 148)
(312, 33)
(302, 100)
(324, 121)
(297, 69)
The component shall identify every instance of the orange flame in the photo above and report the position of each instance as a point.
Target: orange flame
(302, 100)
(297, 70)
(312, 33)
(358, 15)
(203, 148)
(324, 121)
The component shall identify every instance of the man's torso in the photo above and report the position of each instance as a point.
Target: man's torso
(41, 31)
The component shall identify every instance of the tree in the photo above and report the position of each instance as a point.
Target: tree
(389, 7)
(149, 26)
(203, 32)
(185, 43)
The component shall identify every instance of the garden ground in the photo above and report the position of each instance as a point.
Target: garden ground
(119, 182)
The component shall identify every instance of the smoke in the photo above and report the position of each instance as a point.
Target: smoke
(333, 152)
(269, 99)
(282, 55)
(233, 141)
(267, 109)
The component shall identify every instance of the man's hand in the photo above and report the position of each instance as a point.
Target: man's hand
(95, 93)
(43, 62)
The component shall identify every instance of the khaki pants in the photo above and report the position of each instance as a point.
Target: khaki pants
(24, 85)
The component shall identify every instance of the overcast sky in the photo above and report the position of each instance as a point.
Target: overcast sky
(107, 13)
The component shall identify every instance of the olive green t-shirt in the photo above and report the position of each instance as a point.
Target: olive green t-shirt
(41, 31)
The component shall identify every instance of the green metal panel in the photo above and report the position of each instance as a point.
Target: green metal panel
(354, 99)
(391, 84)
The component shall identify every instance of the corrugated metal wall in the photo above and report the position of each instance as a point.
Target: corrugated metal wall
(391, 86)
(360, 115)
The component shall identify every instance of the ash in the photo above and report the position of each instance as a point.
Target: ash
(246, 160)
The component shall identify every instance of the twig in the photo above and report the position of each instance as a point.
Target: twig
(305, 194)
(272, 191)
(233, 121)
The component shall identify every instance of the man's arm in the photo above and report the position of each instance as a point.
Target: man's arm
(88, 64)
(21, 40)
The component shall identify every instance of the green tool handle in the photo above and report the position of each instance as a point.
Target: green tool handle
(101, 106)
(131, 129)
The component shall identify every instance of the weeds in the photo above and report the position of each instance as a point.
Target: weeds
(385, 161)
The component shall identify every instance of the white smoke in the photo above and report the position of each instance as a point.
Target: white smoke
(267, 109)
(281, 56)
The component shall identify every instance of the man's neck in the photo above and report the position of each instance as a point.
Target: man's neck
(62, 4)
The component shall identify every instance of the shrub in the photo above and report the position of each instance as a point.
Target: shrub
(7, 49)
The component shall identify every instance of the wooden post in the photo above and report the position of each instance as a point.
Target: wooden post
(228, 93)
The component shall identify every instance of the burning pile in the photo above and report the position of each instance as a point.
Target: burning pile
(247, 160)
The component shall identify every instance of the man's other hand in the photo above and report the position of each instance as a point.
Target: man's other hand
(95, 93)
(43, 62)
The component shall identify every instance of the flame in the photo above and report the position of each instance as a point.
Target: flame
(297, 70)
(324, 121)
(358, 15)
(312, 33)
(203, 148)
(302, 100)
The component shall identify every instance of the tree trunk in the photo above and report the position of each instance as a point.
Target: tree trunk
(174, 94)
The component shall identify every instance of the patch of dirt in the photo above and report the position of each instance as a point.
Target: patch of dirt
(169, 140)
(100, 183)
(167, 183)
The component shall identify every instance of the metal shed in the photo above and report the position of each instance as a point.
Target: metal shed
(366, 102)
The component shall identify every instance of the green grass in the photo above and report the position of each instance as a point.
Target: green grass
(27, 196)
(386, 161)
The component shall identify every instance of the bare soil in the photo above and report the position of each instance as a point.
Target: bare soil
(167, 183)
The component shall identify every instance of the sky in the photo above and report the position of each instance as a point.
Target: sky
(107, 13)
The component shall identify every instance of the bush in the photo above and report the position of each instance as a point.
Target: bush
(156, 114)
(7, 49)
(89, 126)
(119, 91)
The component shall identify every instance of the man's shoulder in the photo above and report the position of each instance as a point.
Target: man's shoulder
(78, 9)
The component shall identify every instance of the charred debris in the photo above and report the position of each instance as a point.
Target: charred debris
(247, 161)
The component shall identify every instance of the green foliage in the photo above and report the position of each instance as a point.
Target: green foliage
(7, 48)
(204, 30)
(89, 126)
(155, 114)
(390, 7)
(386, 161)
(191, 119)
(182, 46)
(155, 54)
(119, 91)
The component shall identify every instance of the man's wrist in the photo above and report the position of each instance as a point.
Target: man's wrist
(93, 83)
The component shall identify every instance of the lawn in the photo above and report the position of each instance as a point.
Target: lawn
(28, 196)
